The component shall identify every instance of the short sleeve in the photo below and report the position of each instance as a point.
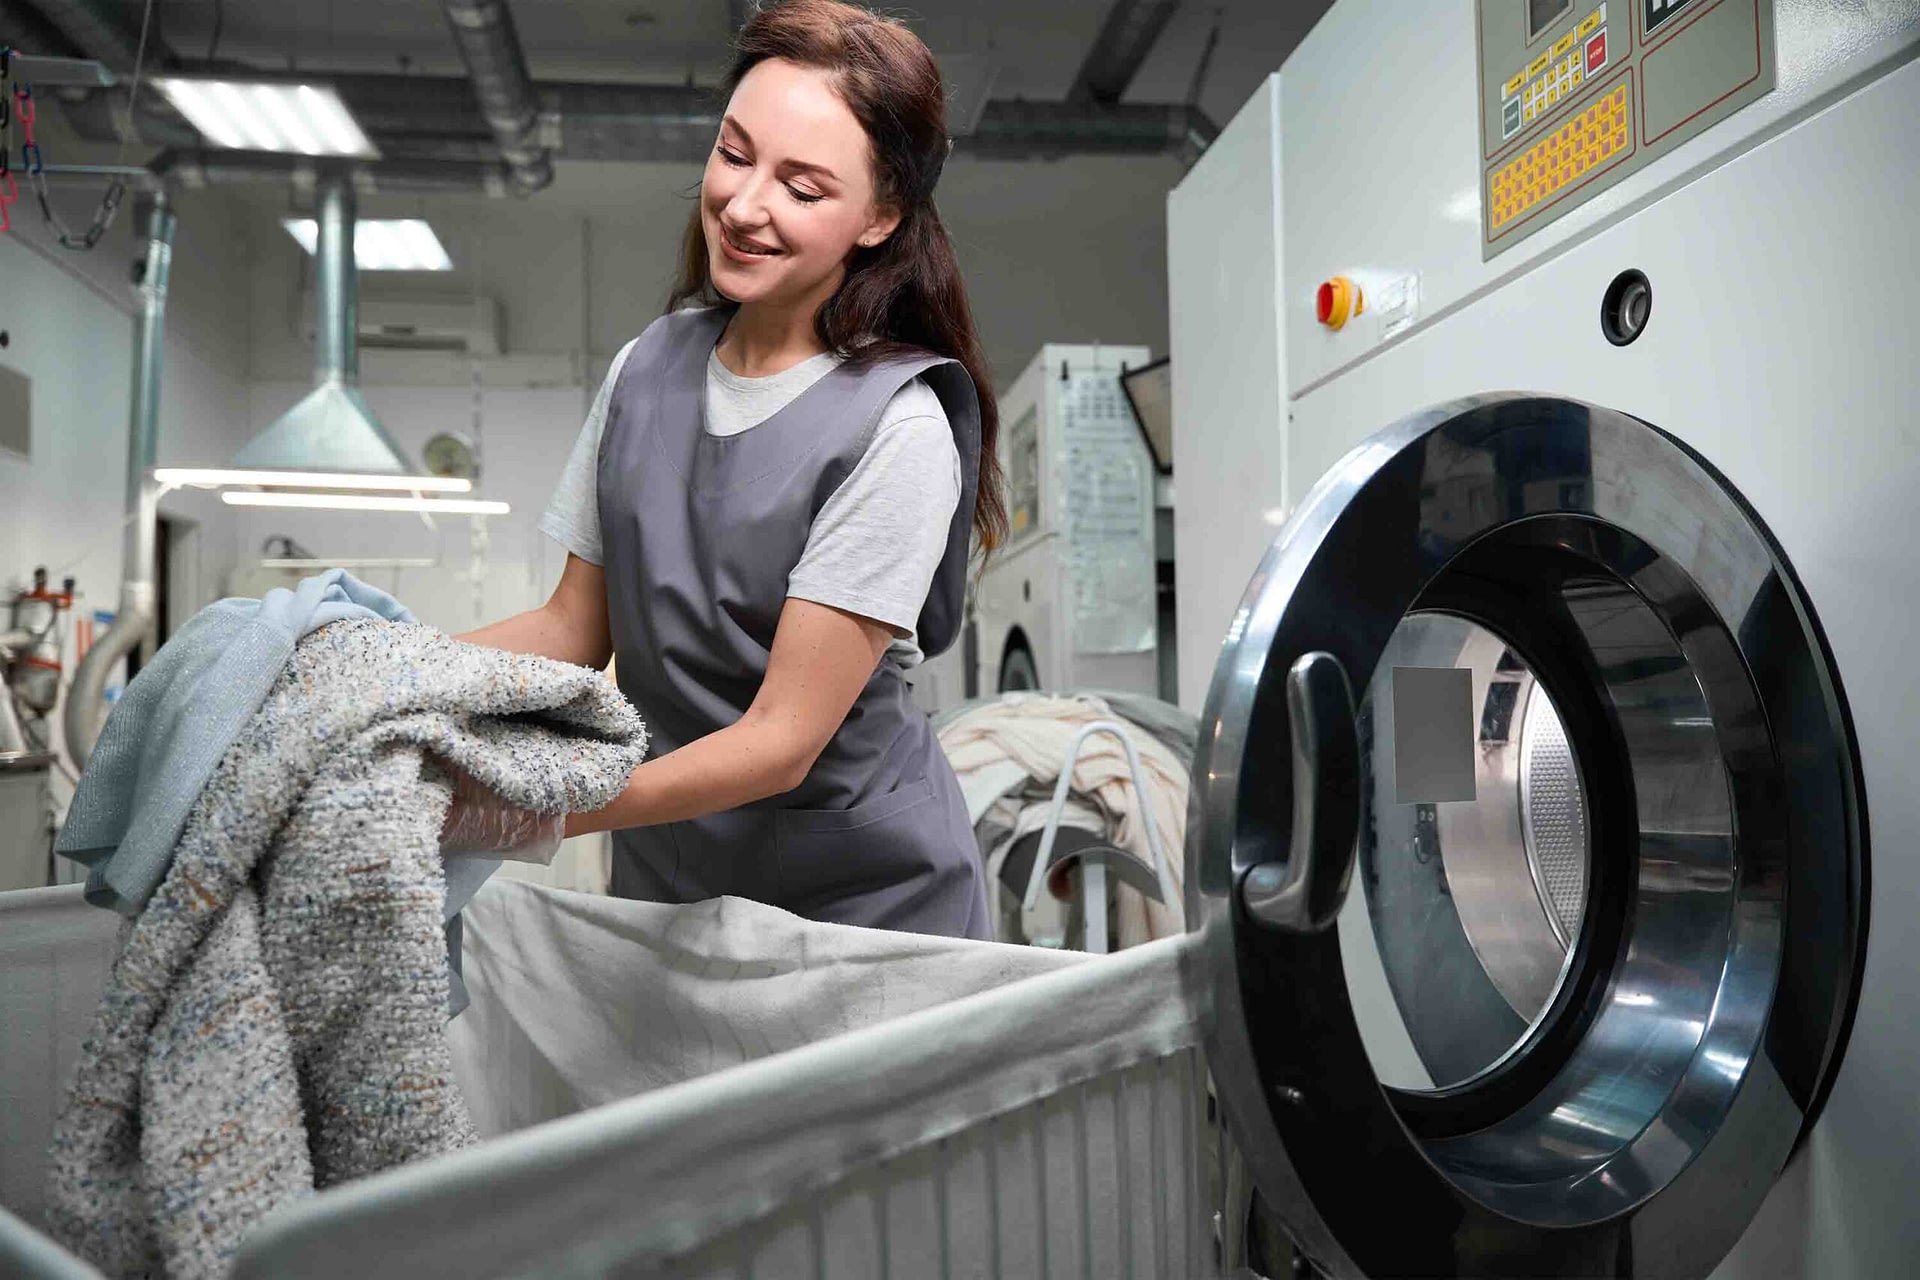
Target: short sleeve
(877, 542)
(572, 517)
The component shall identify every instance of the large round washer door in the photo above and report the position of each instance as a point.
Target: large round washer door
(1528, 851)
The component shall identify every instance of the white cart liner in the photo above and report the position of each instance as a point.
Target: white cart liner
(812, 1101)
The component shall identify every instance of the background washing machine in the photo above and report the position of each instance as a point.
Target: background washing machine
(1553, 847)
(1070, 602)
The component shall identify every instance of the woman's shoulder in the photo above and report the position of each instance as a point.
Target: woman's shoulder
(916, 399)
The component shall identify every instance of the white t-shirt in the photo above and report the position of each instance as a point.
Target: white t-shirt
(877, 541)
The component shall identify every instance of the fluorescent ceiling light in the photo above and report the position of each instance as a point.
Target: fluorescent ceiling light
(302, 119)
(216, 476)
(382, 244)
(357, 502)
(352, 562)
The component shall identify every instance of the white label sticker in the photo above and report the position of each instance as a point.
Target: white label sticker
(1399, 304)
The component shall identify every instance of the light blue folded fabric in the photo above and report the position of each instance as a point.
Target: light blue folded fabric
(177, 719)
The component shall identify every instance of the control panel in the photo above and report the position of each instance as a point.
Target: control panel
(1576, 94)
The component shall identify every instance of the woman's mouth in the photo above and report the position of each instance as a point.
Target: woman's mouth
(745, 250)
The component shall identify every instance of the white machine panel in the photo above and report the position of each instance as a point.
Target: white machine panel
(1228, 331)
(1383, 158)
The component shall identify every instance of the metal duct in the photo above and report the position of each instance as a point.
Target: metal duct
(27, 31)
(497, 66)
(431, 118)
(1126, 37)
(85, 710)
(102, 32)
(422, 173)
(332, 428)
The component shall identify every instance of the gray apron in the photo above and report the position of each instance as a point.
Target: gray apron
(700, 534)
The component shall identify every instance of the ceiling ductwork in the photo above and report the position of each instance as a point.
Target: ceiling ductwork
(1131, 30)
(422, 118)
(431, 139)
(100, 31)
(497, 69)
(191, 167)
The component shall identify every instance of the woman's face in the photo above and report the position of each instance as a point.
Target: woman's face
(789, 189)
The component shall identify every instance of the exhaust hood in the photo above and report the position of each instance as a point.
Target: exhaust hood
(332, 439)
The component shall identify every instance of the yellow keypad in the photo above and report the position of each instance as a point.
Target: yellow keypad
(1560, 159)
(1591, 23)
(1561, 45)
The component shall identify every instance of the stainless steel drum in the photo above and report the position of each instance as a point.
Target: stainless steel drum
(1533, 676)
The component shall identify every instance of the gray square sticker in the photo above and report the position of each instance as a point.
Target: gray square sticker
(1432, 734)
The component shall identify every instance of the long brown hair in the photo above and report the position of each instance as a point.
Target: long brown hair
(905, 294)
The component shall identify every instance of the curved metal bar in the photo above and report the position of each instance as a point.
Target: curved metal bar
(1043, 859)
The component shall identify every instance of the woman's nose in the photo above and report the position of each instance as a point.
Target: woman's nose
(747, 206)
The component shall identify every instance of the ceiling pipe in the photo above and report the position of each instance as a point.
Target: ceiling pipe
(133, 621)
(424, 175)
(497, 67)
(431, 118)
(102, 32)
(29, 32)
(1131, 29)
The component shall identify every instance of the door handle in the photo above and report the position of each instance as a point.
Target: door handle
(1303, 892)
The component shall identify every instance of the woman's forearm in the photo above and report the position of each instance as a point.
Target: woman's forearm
(746, 761)
(540, 632)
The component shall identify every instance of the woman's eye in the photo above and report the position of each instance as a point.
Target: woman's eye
(735, 160)
(805, 197)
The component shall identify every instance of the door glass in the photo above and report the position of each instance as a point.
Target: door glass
(1473, 854)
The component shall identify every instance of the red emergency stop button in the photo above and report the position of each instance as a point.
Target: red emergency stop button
(1338, 301)
(1596, 52)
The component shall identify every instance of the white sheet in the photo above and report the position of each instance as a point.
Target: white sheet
(580, 1000)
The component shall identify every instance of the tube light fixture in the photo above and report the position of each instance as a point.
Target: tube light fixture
(382, 244)
(216, 477)
(359, 502)
(302, 119)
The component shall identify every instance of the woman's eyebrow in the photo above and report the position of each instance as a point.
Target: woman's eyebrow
(805, 166)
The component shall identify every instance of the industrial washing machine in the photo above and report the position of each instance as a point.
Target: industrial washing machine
(1552, 851)
(1069, 602)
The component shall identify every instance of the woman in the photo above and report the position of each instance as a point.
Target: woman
(769, 509)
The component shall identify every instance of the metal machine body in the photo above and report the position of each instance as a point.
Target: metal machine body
(1070, 601)
(1614, 982)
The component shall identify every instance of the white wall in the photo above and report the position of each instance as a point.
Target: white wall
(69, 318)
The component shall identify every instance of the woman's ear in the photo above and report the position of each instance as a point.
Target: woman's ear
(885, 219)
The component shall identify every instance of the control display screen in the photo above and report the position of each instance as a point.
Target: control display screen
(1542, 14)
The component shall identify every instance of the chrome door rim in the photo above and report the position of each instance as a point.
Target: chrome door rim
(1677, 1167)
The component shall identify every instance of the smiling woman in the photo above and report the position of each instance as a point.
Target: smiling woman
(770, 508)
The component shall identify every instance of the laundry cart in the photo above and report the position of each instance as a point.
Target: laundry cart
(1056, 1125)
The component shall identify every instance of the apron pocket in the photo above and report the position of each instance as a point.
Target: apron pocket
(830, 853)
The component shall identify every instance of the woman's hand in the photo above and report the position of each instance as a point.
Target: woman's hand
(822, 658)
(480, 822)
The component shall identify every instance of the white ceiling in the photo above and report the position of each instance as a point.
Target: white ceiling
(1037, 45)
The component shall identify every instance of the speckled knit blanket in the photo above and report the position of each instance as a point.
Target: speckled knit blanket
(276, 1022)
